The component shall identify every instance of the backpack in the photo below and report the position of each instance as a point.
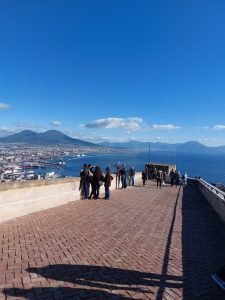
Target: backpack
(132, 172)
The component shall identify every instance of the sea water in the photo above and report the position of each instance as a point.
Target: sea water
(210, 167)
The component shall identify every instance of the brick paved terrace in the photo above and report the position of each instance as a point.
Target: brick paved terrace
(145, 243)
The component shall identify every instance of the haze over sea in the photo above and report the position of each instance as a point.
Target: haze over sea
(209, 166)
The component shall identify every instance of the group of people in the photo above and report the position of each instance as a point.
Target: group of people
(178, 179)
(91, 179)
(160, 177)
(124, 177)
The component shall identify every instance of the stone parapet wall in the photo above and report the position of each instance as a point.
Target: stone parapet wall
(34, 183)
(22, 198)
(214, 196)
(27, 197)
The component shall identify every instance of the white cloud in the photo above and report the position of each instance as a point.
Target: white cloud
(4, 106)
(164, 127)
(219, 127)
(131, 124)
(56, 123)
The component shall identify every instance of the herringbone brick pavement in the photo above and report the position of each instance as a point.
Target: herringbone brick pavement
(145, 243)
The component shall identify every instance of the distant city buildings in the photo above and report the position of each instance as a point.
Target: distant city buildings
(18, 161)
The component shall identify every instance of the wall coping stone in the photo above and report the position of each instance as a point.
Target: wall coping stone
(32, 183)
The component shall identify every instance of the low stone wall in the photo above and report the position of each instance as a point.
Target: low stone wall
(214, 196)
(22, 198)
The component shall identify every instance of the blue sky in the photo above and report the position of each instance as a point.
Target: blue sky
(114, 70)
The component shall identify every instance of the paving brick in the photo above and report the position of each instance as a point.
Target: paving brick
(145, 243)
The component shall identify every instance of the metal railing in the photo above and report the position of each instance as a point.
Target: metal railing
(212, 188)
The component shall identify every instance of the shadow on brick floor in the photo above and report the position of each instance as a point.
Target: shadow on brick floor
(203, 246)
(97, 281)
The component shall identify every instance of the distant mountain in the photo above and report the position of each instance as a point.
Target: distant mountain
(50, 137)
(220, 149)
(193, 147)
(190, 147)
(54, 137)
(143, 146)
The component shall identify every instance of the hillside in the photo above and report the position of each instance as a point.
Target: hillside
(50, 137)
(189, 147)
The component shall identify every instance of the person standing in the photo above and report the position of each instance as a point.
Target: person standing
(132, 175)
(172, 177)
(117, 178)
(159, 176)
(84, 183)
(97, 179)
(108, 178)
(123, 176)
(92, 169)
(164, 178)
(144, 176)
(184, 177)
(154, 172)
(177, 178)
(100, 182)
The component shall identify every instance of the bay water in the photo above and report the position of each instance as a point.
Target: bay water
(210, 167)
